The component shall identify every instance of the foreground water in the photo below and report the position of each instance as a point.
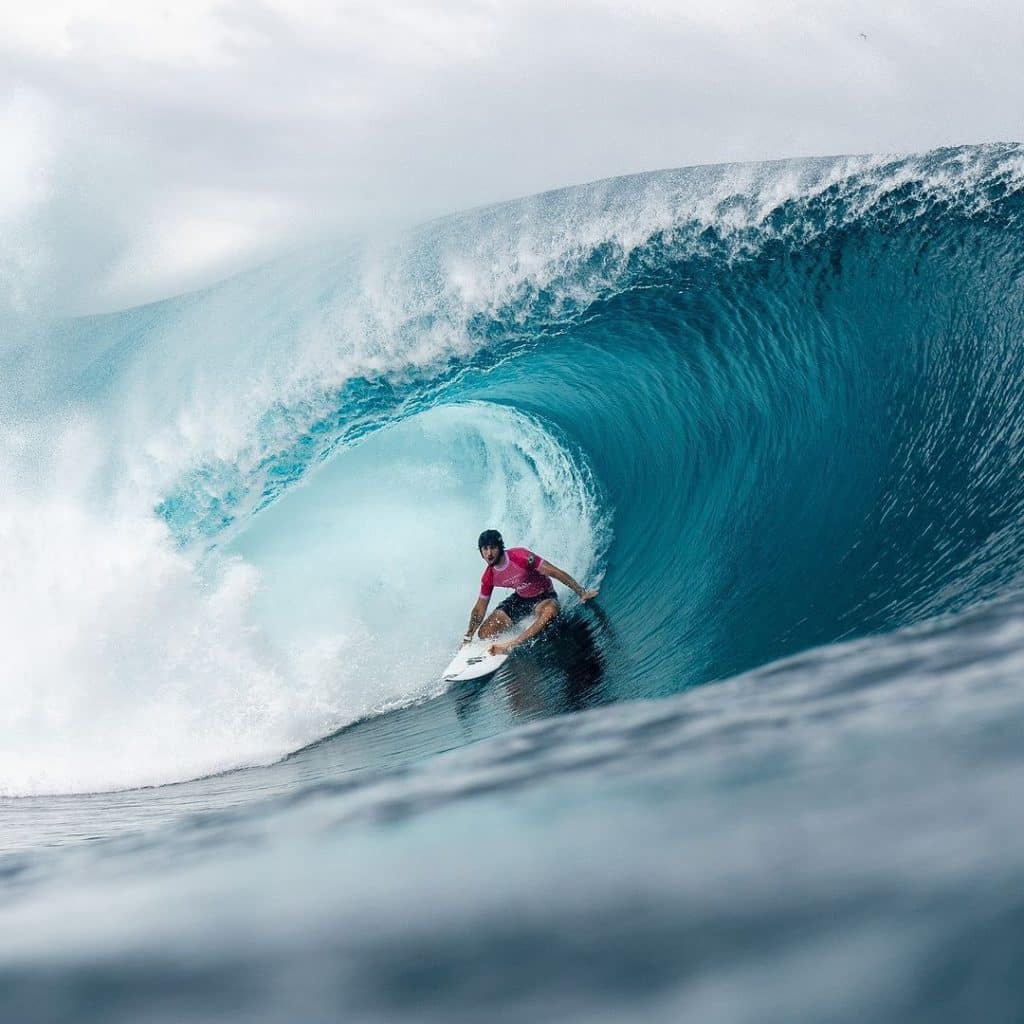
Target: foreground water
(835, 837)
(772, 774)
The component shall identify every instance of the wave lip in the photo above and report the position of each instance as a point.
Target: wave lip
(264, 374)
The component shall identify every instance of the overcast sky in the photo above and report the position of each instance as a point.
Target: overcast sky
(148, 147)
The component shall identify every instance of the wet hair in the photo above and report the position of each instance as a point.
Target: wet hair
(490, 539)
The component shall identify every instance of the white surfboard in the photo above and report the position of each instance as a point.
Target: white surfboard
(473, 661)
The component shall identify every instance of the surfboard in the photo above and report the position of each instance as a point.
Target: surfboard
(473, 662)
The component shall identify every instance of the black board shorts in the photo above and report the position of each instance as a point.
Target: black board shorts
(516, 607)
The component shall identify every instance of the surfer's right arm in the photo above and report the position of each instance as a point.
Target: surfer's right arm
(476, 616)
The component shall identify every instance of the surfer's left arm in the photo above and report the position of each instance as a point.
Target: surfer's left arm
(547, 569)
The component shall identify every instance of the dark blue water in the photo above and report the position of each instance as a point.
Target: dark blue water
(772, 774)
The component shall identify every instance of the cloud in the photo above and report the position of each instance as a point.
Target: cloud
(186, 140)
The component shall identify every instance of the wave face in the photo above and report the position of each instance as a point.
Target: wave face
(766, 407)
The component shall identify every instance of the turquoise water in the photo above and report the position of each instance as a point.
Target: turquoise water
(772, 410)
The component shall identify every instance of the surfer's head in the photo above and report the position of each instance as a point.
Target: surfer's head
(491, 546)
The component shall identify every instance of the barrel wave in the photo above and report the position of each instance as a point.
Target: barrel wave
(771, 774)
(767, 407)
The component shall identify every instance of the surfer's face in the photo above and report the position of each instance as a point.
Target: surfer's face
(491, 555)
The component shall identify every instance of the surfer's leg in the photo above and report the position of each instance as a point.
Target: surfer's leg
(546, 612)
(495, 623)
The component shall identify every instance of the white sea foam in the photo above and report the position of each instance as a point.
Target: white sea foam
(129, 663)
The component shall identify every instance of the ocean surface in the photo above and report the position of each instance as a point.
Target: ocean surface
(774, 773)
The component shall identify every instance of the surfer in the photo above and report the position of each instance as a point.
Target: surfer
(529, 577)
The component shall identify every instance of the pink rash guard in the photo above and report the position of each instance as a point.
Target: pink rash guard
(518, 572)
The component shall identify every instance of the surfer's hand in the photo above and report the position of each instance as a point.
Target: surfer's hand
(586, 595)
(500, 649)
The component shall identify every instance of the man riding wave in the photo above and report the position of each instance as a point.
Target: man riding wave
(529, 577)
